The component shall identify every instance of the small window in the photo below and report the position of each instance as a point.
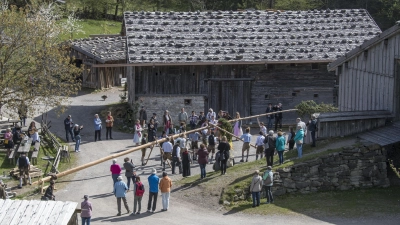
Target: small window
(314, 66)
(266, 97)
(193, 74)
(270, 66)
(187, 102)
(294, 94)
(315, 95)
(292, 64)
(346, 65)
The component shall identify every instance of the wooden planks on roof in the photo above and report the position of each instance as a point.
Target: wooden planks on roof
(383, 136)
(36, 212)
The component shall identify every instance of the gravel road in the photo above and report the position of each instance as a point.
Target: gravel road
(97, 183)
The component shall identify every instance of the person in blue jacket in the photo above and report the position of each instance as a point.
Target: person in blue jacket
(97, 127)
(298, 138)
(280, 146)
(153, 180)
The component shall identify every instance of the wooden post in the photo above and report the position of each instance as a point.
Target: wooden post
(219, 128)
(87, 165)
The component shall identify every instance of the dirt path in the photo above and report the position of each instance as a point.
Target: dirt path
(97, 183)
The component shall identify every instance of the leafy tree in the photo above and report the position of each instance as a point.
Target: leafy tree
(307, 108)
(34, 66)
(72, 25)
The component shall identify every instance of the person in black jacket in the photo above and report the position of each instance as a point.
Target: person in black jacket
(211, 145)
(278, 116)
(48, 195)
(224, 149)
(270, 141)
(270, 118)
(312, 127)
(68, 128)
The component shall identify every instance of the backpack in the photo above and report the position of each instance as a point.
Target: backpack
(139, 189)
(267, 178)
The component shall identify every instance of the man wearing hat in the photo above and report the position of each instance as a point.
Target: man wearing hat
(153, 180)
(68, 128)
(86, 208)
(120, 189)
(268, 180)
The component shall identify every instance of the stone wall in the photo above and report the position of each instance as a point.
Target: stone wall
(172, 103)
(354, 167)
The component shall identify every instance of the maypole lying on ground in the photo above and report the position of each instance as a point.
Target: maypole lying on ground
(84, 166)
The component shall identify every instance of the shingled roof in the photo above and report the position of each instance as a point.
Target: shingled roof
(245, 37)
(102, 49)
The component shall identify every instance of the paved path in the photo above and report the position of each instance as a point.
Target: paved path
(97, 183)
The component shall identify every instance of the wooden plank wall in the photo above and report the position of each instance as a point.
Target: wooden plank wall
(367, 82)
(240, 88)
(348, 127)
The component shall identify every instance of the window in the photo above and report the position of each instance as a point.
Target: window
(270, 66)
(266, 97)
(292, 64)
(315, 95)
(187, 101)
(314, 66)
(294, 94)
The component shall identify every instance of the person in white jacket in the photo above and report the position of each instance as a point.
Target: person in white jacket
(256, 187)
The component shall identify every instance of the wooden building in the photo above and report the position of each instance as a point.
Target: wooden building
(238, 61)
(98, 56)
(24, 212)
(369, 75)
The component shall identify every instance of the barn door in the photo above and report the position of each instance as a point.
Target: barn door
(230, 95)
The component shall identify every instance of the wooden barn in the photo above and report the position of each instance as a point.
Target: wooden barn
(101, 58)
(238, 61)
(24, 212)
(368, 88)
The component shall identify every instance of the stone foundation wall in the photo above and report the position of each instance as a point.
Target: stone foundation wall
(354, 167)
(172, 103)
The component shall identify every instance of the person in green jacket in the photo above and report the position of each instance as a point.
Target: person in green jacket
(280, 146)
(299, 141)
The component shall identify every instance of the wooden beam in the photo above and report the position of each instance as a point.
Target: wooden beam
(219, 128)
(265, 114)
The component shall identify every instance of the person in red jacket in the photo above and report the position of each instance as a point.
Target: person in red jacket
(202, 160)
(115, 171)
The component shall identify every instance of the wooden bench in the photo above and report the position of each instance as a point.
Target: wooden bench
(12, 156)
(35, 153)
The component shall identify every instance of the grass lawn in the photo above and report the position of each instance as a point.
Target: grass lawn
(95, 27)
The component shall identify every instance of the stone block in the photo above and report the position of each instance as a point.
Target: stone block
(382, 165)
(314, 170)
(280, 191)
(288, 183)
(316, 183)
(374, 147)
(344, 187)
(379, 158)
(285, 175)
(334, 180)
(300, 185)
(351, 150)
(355, 173)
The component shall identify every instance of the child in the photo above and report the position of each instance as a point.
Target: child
(138, 133)
(246, 137)
(144, 141)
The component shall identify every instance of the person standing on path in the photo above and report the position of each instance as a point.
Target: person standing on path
(142, 116)
(137, 137)
(211, 145)
(193, 120)
(299, 140)
(255, 188)
(143, 142)
(115, 171)
(167, 122)
(291, 138)
(86, 208)
(183, 116)
(278, 116)
(280, 146)
(202, 160)
(138, 191)
(224, 147)
(68, 128)
(210, 114)
(129, 173)
(77, 134)
(165, 188)
(260, 145)
(246, 137)
(185, 163)
(237, 128)
(167, 152)
(176, 157)
(270, 118)
(312, 127)
(303, 126)
(97, 127)
(120, 189)
(268, 179)
(24, 166)
(270, 141)
(109, 125)
(153, 180)
(152, 131)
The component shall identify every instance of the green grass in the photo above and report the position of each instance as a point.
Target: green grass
(95, 27)
(354, 203)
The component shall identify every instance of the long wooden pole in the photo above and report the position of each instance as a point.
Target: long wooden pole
(219, 128)
(265, 114)
(136, 148)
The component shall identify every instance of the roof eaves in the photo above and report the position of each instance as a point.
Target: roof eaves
(88, 54)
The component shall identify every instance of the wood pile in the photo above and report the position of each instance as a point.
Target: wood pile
(33, 172)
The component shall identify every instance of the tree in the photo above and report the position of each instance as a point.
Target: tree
(307, 108)
(72, 25)
(34, 67)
